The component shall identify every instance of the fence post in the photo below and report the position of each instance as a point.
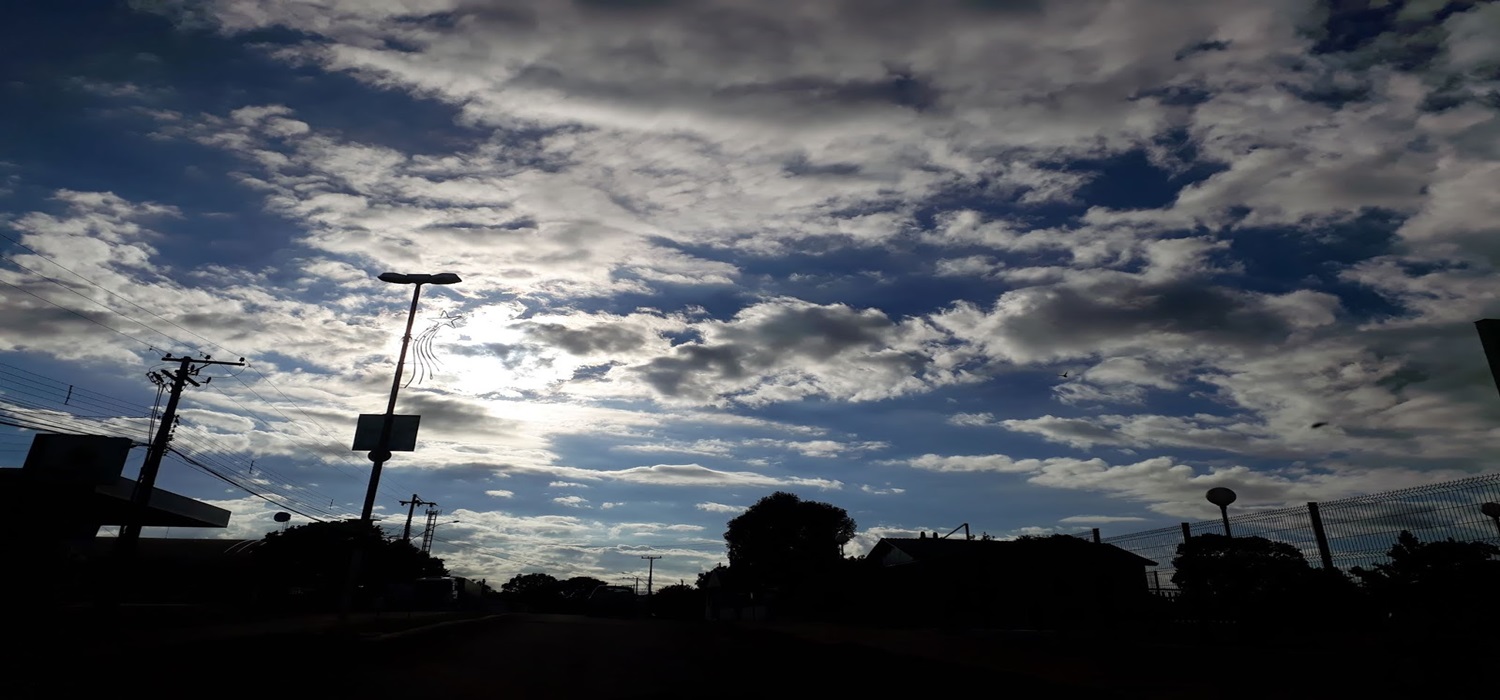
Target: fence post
(1187, 532)
(1489, 338)
(1096, 535)
(1322, 537)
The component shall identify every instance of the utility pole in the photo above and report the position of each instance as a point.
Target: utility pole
(650, 568)
(412, 510)
(432, 516)
(140, 498)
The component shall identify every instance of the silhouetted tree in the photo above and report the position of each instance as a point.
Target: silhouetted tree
(677, 602)
(782, 538)
(1447, 582)
(1244, 577)
(532, 591)
(703, 576)
(314, 558)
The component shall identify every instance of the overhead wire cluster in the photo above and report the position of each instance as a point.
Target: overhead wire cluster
(206, 452)
(296, 431)
(45, 409)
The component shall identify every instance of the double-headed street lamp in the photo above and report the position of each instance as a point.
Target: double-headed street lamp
(382, 451)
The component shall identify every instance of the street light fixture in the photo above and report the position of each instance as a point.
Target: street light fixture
(1222, 497)
(382, 451)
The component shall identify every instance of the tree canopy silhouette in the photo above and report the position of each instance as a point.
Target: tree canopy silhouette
(783, 537)
(678, 602)
(530, 586)
(315, 557)
(1449, 581)
(1239, 575)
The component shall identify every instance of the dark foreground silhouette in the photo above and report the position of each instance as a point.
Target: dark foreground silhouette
(577, 656)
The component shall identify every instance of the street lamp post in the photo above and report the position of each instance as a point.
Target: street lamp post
(382, 451)
(1222, 497)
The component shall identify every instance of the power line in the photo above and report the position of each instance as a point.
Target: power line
(100, 304)
(43, 426)
(195, 463)
(256, 416)
(282, 488)
(158, 332)
(81, 315)
(66, 420)
(69, 424)
(76, 392)
(107, 291)
(290, 422)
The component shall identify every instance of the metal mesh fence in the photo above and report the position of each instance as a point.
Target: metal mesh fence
(1359, 530)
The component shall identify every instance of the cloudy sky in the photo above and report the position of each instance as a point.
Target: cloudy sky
(1031, 265)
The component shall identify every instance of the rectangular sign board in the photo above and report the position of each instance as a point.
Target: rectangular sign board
(91, 459)
(403, 432)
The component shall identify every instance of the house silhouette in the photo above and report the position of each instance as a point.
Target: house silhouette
(1029, 583)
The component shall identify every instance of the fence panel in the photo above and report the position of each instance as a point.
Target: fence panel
(1360, 529)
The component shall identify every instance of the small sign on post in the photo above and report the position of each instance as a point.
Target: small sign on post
(403, 432)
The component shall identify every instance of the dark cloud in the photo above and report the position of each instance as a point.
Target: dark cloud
(775, 337)
(668, 374)
(801, 166)
(815, 332)
(1077, 432)
(593, 340)
(441, 414)
(510, 355)
(896, 88)
(1081, 316)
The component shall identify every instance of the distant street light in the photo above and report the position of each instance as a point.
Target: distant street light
(382, 451)
(1222, 497)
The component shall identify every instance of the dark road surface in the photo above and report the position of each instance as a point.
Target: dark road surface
(562, 656)
(524, 656)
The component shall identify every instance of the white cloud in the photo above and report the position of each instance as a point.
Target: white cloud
(500, 493)
(719, 508)
(1099, 519)
(697, 475)
(972, 419)
(567, 485)
(975, 463)
(888, 491)
(572, 501)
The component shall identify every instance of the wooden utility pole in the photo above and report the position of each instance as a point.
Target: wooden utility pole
(140, 498)
(650, 568)
(410, 511)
